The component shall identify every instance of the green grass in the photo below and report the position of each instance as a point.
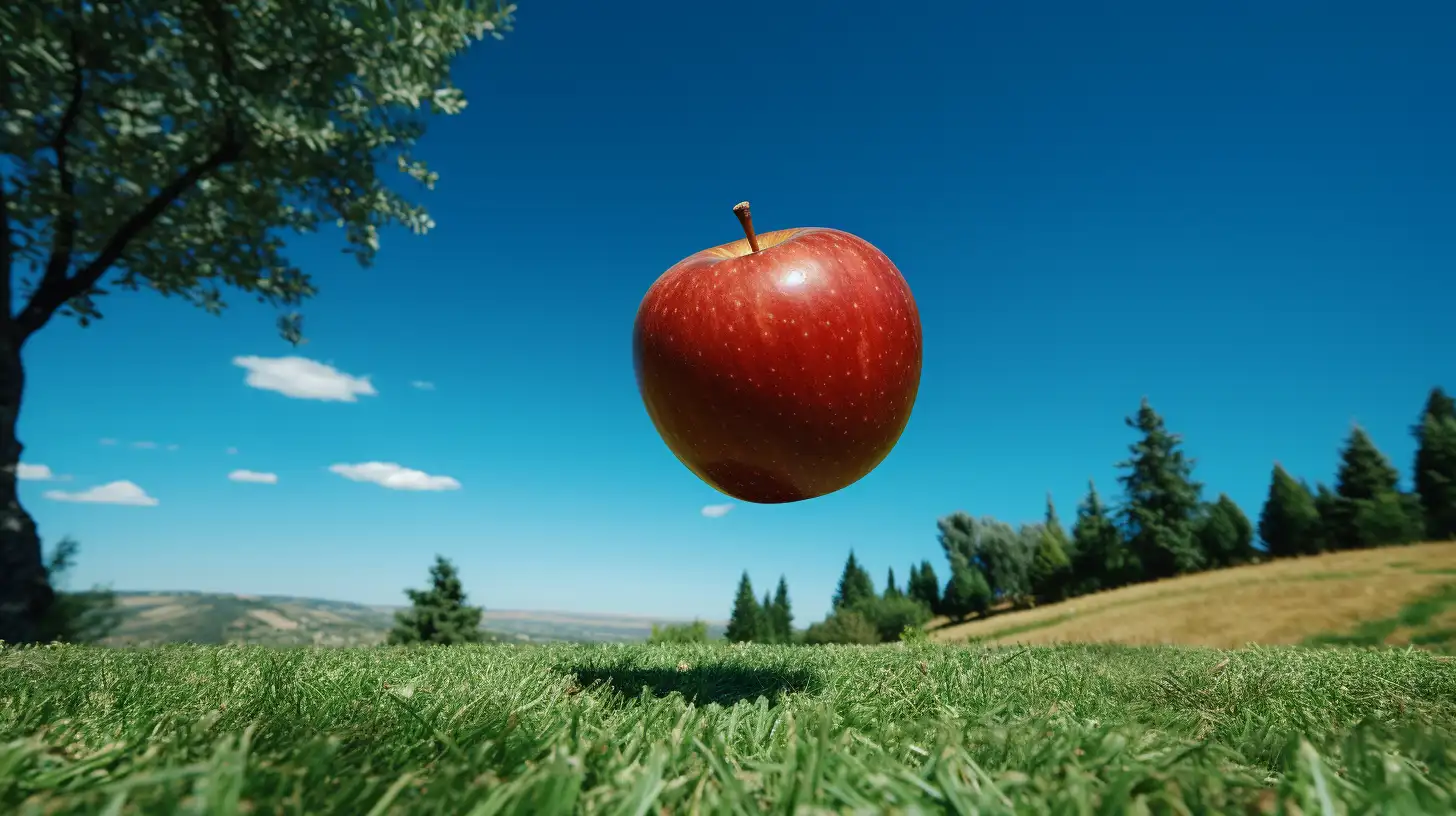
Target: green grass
(636, 730)
(1416, 615)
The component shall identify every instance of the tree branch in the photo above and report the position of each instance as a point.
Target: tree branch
(64, 241)
(52, 294)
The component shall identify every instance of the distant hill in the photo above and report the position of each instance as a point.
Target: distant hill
(150, 618)
(1392, 596)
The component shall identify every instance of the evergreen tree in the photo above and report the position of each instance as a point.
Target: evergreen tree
(1225, 535)
(1327, 506)
(438, 614)
(1390, 518)
(1162, 500)
(781, 613)
(1435, 466)
(1054, 525)
(1289, 523)
(967, 592)
(1368, 502)
(855, 584)
(766, 621)
(1099, 558)
(925, 586)
(1051, 567)
(747, 617)
(892, 591)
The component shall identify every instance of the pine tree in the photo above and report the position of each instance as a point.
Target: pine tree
(1162, 500)
(1327, 507)
(439, 614)
(1435, 465)
(781, 613)
(1369, 510)
(1289, 523)
(925, 586)
(1051, 568)
(747, 615)
(1225, 535)
(768, 634)
(855, 585)
(1099, 558)
(892, 591)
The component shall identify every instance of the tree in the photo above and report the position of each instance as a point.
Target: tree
(924, 586)
(890, 615)
(438, 615)
(1225, 535)
(1099, 558)
(843, 626)
(1162, 499)
(1051, 568)
(892, 591)
(1434, 474)
(855, 584)
(1367, 499)
(168, 145)
(695, 632)
(767, 633)
(1390, 518)
(999, 551)
(76, 617)
(781, 616)
(1289, 523)
(1327, 506)
(746, 621)
(967, 592)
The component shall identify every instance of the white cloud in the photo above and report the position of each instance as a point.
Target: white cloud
(253, 476)
(394, 477)
(423, 385)
(717, 510)
(232, 451)
(144, 445)
(108, 441)
(173, 447)
(303, 378)
(122, 492)
(33, 473)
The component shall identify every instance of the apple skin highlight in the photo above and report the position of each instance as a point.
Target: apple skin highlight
(783, 374)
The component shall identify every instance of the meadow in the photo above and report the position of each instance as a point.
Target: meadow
(1388, 596)
(644, 729)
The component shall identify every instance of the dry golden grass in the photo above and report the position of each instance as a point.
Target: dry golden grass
(1282, 602)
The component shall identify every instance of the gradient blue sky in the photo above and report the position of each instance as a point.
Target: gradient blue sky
(1241, 210)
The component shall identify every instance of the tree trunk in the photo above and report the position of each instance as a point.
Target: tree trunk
(25, 590)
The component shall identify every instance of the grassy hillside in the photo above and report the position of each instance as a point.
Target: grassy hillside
(151, 618)
(1392, 596)
(717, 729)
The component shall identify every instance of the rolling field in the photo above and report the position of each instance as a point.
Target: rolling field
(643, 729)
(1392, 596)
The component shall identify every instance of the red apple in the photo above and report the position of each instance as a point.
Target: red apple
(782, 366)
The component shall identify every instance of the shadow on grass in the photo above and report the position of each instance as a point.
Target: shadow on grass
(724, 685)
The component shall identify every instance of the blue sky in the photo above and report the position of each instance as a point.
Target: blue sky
(1240, 210)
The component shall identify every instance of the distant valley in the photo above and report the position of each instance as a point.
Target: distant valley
(150, 618)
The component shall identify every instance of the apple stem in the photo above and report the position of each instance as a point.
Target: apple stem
(746, 219)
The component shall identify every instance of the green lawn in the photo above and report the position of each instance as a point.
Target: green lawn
(562, 729)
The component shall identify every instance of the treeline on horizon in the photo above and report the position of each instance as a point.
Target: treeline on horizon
(1161, 529)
